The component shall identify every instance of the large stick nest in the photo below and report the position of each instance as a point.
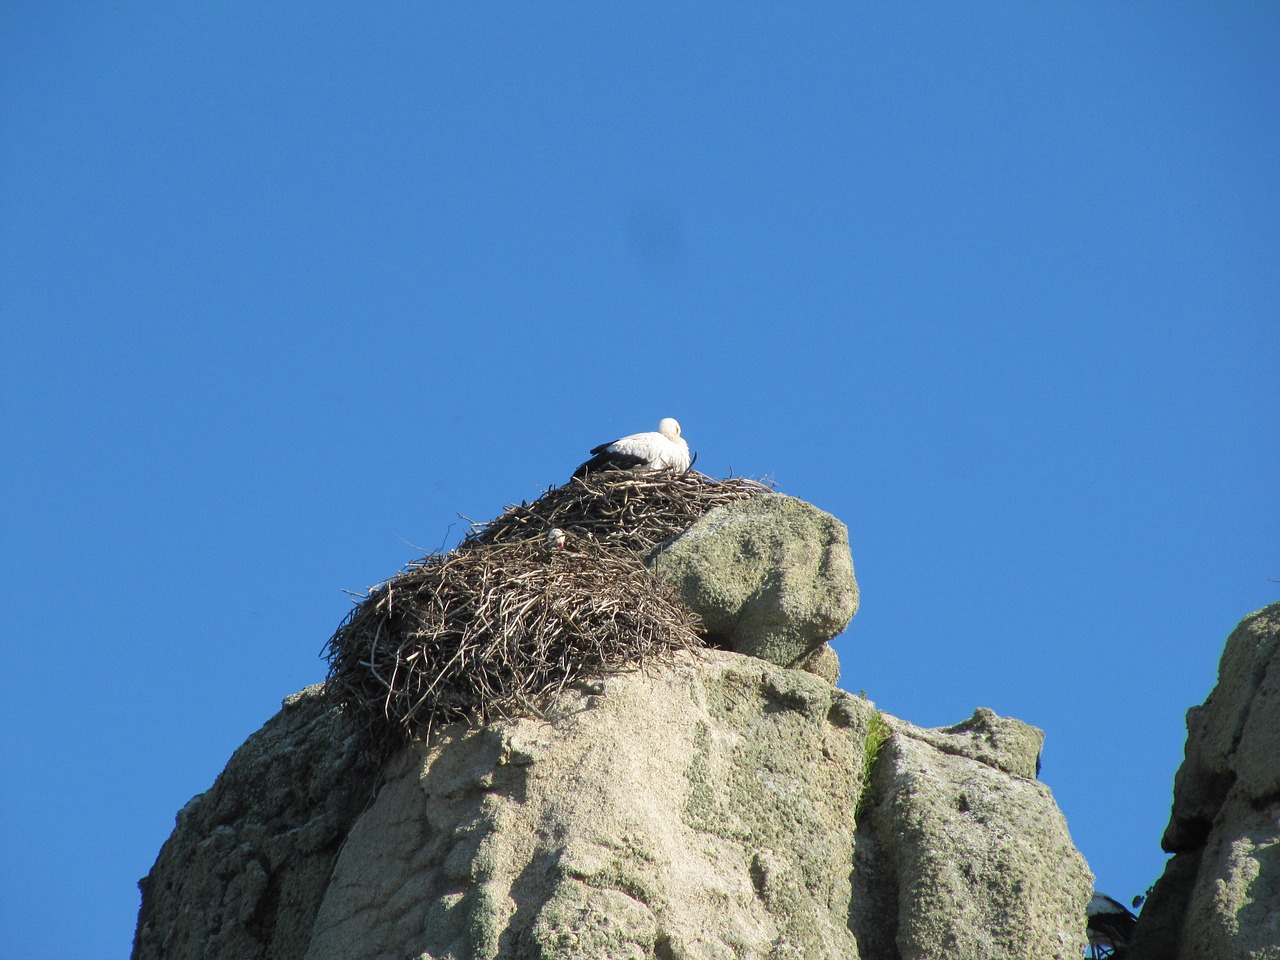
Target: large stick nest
(491, 628)
(635, 512)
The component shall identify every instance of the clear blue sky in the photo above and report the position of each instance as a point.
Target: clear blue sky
(286, 288)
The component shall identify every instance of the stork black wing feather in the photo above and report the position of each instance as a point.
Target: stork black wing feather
(609, 461)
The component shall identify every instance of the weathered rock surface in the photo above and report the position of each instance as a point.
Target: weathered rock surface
(248, 863)
(771, 577)
(1001, 742)
(1219, 896)
(700, 811)
(981, 860)
(821, 662)
(704, 809)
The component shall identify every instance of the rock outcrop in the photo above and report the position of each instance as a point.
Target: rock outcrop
(771, 577)
(246, 867)
(706, 808)
(1219, 896)
(976, 849)
(711, 804)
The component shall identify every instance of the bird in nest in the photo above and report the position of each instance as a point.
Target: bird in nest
(663, 449)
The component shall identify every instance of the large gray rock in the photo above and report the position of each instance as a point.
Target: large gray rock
(1220, 894)
(246, 867)
(717, 807)
(701, 810)
(981, 861)
(771, 576)
(707, 810)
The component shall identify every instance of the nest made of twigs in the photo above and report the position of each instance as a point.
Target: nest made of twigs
(632, 511)
(491, 628)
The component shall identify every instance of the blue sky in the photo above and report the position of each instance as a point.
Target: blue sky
(286, 290)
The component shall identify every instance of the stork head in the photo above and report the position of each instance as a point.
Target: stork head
(555, 538)
(669, 428)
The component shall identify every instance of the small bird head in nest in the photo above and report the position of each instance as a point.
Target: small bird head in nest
(555, 538)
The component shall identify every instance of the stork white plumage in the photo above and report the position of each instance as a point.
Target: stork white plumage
(1110, 926)
(664, 449)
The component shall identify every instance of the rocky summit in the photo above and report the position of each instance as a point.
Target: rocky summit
(718, 803)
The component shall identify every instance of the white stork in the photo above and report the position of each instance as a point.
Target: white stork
(662, 450)
(1110, 925)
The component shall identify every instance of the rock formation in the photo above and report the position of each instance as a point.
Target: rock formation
(1219, 896)
(711, 805)
(250, 858)
(700, 809)
(770, 577)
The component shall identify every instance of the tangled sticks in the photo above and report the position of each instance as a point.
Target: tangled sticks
(492, 627)
(630, 511)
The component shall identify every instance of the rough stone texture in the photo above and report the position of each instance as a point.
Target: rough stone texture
(700, 811)
(1001, 742)
(706, 810)
(244, 871)
(981, 861)
(771, 576)
(1236, 913)
(1158, 933)
(1220, 894)
(822, 662)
